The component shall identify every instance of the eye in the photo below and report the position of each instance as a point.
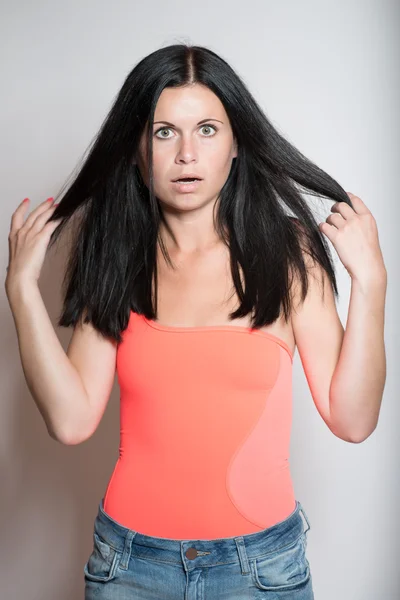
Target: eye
(206, 125)
(209, 125)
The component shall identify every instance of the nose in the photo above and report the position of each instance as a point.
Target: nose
(187, 150)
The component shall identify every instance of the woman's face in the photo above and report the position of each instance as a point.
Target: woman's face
(181, 144)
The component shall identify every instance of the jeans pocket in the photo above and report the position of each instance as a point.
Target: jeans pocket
(285, 569)
(103, 561)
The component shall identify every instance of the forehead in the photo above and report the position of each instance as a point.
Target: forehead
(187, 104)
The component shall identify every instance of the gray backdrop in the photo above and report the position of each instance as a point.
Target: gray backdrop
(327, 74)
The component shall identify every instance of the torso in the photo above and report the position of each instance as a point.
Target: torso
(217, 415)
(200, 293)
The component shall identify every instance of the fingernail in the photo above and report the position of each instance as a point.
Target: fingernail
(26, 200)
(50, 199)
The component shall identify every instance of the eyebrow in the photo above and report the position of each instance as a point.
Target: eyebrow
(199, 123)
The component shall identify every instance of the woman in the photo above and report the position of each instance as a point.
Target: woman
(200, 291)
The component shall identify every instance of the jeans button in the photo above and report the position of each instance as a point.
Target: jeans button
(191, 553)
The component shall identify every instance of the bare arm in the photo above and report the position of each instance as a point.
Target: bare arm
(52, 379)
(70, 389)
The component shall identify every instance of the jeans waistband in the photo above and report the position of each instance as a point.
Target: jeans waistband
(195, 553)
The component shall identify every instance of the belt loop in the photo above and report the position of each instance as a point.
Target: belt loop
(127, 549)
(305, 516)
(243, 558)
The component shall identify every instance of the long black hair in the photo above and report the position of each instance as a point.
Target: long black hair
(262, 216)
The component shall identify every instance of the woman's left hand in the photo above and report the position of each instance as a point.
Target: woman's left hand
(354, 235)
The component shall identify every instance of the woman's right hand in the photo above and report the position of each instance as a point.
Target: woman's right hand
(28, 242)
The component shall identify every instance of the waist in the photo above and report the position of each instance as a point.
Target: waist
(259, 543)
(198, 501)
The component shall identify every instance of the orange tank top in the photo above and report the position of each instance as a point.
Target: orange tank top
(205, 417)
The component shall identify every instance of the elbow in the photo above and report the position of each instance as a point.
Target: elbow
(354, 437)
(72, 441)
(355, 432)
(69, 438)
(357, 439)
(73, 432)
(365, 433)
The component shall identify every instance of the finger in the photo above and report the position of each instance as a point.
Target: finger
(359, 205)
(45, 217)
(336, 220)
(41, 222)
(52, 225)
(343, 209)
(38, 211)
(17, 219)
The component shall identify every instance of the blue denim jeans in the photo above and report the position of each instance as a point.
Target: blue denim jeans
(127, 565)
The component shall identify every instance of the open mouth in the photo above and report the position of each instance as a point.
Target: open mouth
(187, 185)
(187, 180)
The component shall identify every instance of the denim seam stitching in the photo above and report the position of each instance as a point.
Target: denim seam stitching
(278, 549)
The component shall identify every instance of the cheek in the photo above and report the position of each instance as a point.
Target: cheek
(220, 166)
(220, 155)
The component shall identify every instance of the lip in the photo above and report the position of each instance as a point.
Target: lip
(185, 175)
(184, 188)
